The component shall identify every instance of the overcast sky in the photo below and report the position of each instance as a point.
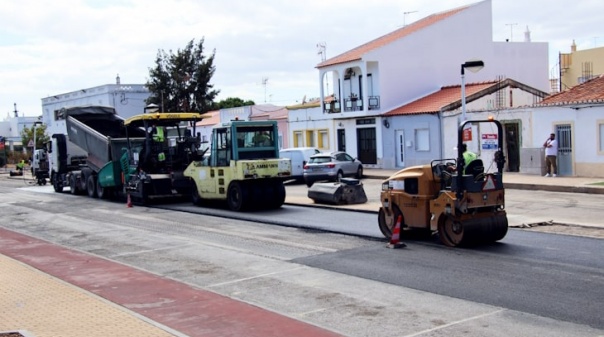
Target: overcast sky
(49, 47)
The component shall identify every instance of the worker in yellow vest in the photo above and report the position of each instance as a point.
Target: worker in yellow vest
(21, 165)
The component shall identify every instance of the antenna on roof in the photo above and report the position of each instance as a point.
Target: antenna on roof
(511, 30)
(321, 51)
(405, 16)
(265, 83)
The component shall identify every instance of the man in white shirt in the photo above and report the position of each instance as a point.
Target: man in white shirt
(551, 151)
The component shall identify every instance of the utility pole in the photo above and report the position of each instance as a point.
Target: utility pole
(511, 30)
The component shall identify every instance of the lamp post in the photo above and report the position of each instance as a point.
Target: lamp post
(473, 66)
(151, 108)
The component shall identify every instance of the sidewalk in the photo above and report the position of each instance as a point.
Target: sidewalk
(519, 181)
(49, 290)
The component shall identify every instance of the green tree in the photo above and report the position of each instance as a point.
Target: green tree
(27, 134)
(181, 81)
(232, 102)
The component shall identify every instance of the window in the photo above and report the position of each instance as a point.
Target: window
(422, 140)
(310, 138)
(323, 139)
(298, 139)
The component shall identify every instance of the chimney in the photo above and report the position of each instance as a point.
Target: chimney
(527, 35)
(573, 47)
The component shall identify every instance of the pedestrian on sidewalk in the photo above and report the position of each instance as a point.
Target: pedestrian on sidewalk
(551, 153)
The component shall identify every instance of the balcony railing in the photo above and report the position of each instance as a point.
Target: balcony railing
(332, 107)
(351, 104)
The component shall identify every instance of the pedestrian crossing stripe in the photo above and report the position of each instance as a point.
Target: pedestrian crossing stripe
(489, 184)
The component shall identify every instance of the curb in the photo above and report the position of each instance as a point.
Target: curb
(555, 188)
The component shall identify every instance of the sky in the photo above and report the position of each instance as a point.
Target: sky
(266, 50)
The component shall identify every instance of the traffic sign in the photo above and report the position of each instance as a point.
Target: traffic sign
(31, 143)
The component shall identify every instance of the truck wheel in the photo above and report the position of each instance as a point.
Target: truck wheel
(100, 191)
(91, 186)
(197, 200)
(57, 184)
(236, 197)
(73, 186)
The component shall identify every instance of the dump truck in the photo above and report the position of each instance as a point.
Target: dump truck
(88, 158)
(105, 156)
(464, 205)
(241, 167)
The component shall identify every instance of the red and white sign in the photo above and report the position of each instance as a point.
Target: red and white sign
(489, 184)
(467, 135)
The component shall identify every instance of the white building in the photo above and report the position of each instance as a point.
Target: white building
(406, 64)
(127, 99)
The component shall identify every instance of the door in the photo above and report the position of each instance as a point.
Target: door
(366, 145)
(511, 146)
(342, 140)
(400, 148)
(565, 152)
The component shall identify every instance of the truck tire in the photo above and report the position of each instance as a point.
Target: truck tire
(91, 186)
(57, 183)
(73, 186)
(100, 191)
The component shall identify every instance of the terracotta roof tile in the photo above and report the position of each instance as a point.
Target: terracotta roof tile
(434, 102)
(215, 119)
(358, 52)
(591, 91)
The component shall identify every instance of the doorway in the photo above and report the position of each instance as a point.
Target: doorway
(565, 149)
(512, 148)
(400, 148)
(341, 140)
(366, 145)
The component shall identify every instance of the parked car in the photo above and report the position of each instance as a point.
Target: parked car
(331, 167)
(299, 156)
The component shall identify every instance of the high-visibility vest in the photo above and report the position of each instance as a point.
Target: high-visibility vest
(159, 134)
(21, 164)
(468, 157)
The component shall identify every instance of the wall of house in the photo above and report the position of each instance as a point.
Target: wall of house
(522, 116)
(310, 122)
(585, 122)
(424, 61)
(595, 56)
(409, 126)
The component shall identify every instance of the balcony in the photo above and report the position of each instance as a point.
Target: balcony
(351, 104)
(332, 107)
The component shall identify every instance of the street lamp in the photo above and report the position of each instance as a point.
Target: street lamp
(473, 66)
(151, 108)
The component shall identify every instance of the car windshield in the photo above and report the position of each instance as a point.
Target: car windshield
(319, 160)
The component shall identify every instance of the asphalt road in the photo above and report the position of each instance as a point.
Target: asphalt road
(528, 284)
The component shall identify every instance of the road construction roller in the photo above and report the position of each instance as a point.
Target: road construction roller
(463, 204)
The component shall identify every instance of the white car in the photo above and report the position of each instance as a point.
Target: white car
(299, 156)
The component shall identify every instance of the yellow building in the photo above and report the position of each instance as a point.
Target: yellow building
(579, 66)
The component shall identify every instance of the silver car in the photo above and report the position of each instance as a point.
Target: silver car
(331, 167)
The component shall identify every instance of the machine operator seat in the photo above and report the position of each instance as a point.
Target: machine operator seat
(475, 168)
